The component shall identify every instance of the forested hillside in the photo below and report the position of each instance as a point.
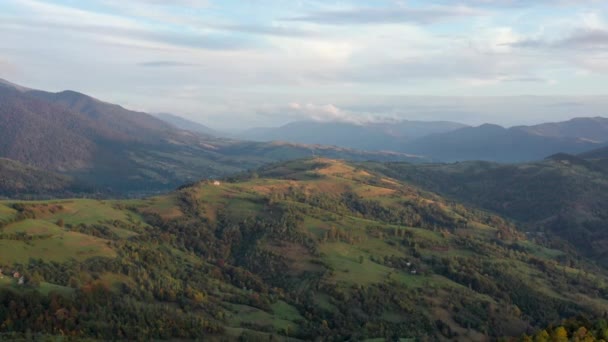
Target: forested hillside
(302, 250)
(18, 180)
(561, 199)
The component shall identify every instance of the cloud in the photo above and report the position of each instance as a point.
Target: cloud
(75, 21)
(580, 39)
(526, 79)
(267, 30)
(467, 66)
(138, 35)
(186, 3)
(315, 112)
(389, 15)
(164, 64)
(587, 39)
(521, 3)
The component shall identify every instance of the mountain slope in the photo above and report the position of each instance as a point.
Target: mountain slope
(305, 249)
(17, 179)
(42, 134)
(563, 196)
(188, 125)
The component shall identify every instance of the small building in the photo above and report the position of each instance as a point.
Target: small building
(217, 183)
(413, 272)
(21, 280)
(16, 275)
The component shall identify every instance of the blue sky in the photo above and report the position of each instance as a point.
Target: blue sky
(236, 64)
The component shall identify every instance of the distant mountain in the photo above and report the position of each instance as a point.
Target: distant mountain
(447, 141)
(598, 156)
(599, 153)
(592, 129)
(516, 144)
(367, 136)
(188, 125)
(117, 149)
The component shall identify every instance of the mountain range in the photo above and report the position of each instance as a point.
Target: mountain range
(448, 141)
(118, 150)
(367, 136)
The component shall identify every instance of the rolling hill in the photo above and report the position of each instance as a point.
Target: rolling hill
(123, 151)
(300, 250)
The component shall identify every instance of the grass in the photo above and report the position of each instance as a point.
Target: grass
(33, 228)
(46, 288)
(52, 244)
(344, 259)
(6, 213)
(285, 311)
(540, 251)
(89, 212)
(244, 314)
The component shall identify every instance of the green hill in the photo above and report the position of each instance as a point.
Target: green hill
(304, 250)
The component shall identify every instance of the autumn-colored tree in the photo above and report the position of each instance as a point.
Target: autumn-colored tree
(560, 334)
(541, 336)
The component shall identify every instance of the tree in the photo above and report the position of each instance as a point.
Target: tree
(560, 334)
(541, 336)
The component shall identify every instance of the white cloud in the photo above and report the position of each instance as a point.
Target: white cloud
(325, 113)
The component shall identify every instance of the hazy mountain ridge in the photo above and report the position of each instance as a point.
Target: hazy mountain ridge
(120, 150)
(593, 129)
(375, 136)
(448, 141)
(496, 143)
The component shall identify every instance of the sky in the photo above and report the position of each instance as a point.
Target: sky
(238, 64)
